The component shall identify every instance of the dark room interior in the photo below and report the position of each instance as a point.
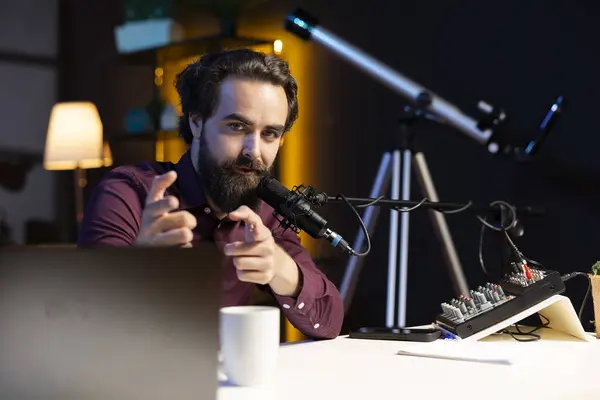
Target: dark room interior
(518, 57)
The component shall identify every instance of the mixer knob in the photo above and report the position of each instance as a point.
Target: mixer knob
(500, 291)
(496, 297)
(471, 303)
(487, 295)
(445, 309)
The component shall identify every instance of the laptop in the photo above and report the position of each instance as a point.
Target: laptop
(112, 323)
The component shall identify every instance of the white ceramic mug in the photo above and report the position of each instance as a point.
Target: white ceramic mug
(249, 337)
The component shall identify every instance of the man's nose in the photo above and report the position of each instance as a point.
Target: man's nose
(252, 146)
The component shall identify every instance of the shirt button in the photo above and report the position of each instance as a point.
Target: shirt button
(317, 325)
(286, 306)
(207, 210)
(300, 306)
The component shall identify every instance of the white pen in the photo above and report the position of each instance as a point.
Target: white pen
(491, 361)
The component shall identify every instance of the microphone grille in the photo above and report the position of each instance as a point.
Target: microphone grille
(272, 192)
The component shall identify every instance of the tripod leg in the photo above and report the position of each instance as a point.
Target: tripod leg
(393, 243)
(404, 234)
(369, 218)
(440, 226)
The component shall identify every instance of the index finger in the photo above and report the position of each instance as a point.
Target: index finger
(159, 185)
(250, 218)
(256, 233)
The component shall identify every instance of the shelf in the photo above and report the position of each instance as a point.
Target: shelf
(143, 136)
(134, 148)
(190, 47)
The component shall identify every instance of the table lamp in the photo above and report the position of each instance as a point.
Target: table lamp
(75, 142)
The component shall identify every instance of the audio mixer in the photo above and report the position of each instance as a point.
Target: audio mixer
(491, 303)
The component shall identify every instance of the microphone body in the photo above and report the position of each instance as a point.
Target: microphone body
(296, 211)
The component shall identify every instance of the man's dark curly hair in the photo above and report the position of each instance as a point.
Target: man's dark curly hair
(198, 84)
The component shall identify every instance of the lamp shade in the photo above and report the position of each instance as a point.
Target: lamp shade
(74, 137)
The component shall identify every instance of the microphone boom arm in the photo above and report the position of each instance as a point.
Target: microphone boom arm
(319, 199)
(434, 205)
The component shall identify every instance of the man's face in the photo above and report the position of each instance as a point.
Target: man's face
(239, 143)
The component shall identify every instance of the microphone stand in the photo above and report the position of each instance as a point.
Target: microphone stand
(427, 106)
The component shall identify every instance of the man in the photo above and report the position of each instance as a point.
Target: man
(237, 105)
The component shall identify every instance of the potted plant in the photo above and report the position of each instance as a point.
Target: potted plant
(595, 279)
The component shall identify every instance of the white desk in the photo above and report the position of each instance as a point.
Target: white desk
(555, 367)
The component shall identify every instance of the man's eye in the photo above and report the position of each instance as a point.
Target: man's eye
(272, 134)
(235, 126)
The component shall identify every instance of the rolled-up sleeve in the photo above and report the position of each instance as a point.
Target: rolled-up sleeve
(318, 310)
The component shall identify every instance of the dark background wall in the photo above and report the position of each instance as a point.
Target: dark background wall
(517, 55)
(28, 82)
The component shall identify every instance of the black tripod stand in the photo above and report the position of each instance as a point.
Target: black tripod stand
(396, 165)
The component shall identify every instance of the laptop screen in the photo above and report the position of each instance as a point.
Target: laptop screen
(109, 323)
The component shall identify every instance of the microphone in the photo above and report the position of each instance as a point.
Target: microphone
(296, 210)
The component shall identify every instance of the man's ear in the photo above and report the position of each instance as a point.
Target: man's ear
(195, 125)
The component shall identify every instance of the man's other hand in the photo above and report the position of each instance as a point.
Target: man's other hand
(160, 225)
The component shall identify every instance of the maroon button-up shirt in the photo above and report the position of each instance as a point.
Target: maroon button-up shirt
(113, 218)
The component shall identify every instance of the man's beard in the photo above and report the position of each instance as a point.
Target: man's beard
(227, 188)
